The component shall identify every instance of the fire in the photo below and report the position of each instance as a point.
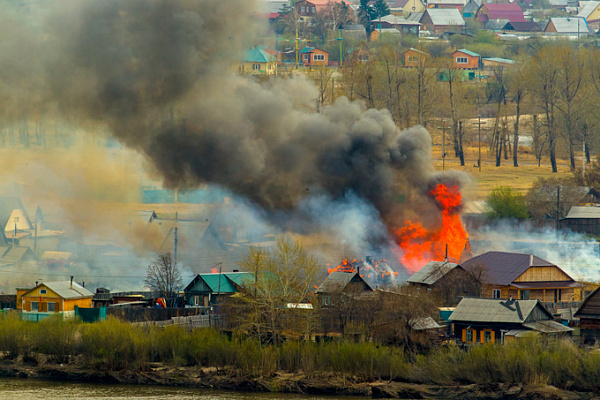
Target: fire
(420, 245)
(369, 268)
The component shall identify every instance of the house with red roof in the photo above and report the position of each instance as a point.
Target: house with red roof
(510, 12)
(523, 276)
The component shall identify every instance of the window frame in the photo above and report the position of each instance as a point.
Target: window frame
(255, 67)
(34, 306)
(319, 57)
(487, 336)
(496, 293)
(51, 305)
(459, 60)
(469, 336)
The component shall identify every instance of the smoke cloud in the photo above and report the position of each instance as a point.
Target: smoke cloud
(161, 77)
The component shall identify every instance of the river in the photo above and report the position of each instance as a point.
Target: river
(28, 389)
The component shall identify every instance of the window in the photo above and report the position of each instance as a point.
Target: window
(256, 67)
(487, 336)
(196, 301)
(461, 60)
(524, 294)
(319, 57)
(413, 59)
(305, 56)
(313, 9)
(469, 335)
(303, 9)
(42, 291)
(51, 307)
(35, 306)
(363, 57)
(496, 293)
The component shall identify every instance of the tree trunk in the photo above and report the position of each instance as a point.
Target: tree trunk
(516, 132)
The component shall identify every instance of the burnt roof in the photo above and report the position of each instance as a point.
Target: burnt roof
(502, 268)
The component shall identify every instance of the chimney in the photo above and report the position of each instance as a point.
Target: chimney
(71, 287)
(236, 270)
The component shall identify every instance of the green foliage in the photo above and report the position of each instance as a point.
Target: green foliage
(504, 202)
(15, 335)
(56, 338)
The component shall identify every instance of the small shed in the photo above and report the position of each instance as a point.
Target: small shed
(589, 318)
(583, 219)
(313, 56)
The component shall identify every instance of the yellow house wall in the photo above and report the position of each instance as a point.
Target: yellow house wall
(265, 68)
(49, 297)
(408, 7)
(543, 274)
(594, 15)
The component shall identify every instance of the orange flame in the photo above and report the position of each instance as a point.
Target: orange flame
(420, 245)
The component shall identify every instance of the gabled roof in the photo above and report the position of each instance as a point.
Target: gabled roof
(510, 11)
(569, 25)
(457, 3)
(445, 16)
(588, 8)
(527, 26)
(432, 272)
(226, 282)
(258, 55)
(495, 24)
(468, 52)
(399, 4)
(336, 281)
(590, 307)
(499, 60)
(583, 212)
(65, 289)
(413, 49)
(14, 254)
(502, 268)
(496, 310)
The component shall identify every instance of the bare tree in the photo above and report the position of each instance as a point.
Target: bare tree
(163, 276)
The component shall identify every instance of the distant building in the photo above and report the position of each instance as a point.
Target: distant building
(314, 57)
(466, 59)
(574, 27)
(405, 7)
(53, 297)
(442, 20)
(205, 290)
(414, 58)
(492, 11)
(582, 219)
(499, 321)
(257, 61)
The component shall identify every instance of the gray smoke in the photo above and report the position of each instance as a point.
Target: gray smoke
(160, 76)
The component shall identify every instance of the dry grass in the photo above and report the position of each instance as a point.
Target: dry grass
(490, 177)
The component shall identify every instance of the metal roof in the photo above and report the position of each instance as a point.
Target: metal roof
(502, 268)
(494, 310)
(570, 25)
(499, 60)
(527, 26)
(225, 282)
(583, 212)
(547, 285)
(445, 16)
(337, 281)
(432, 272)
(547, 327)
(511, 12)
(588, 8)
(66, 290)
(468, 52)
(258, 55)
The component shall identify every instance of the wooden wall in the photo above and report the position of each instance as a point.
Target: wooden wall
(543, 274)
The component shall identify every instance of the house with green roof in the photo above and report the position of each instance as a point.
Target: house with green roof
(258, 61)
(466, 59)
(205, 290)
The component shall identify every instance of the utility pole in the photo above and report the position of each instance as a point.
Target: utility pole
(296, 40)
(340, 38)
(479, 159)
(583, 158)
(557, 209)
(443, 144)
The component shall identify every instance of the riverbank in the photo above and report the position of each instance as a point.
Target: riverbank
(230, 379)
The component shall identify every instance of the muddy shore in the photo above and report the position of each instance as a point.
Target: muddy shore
(211, 378)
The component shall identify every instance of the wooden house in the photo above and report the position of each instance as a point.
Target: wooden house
(311, 56)
(495, 320)
(591, 12)
(414, 58)
(308, 9)
(447, 4)
(589, 318)
(524, 277)
(53, 297)
(449, 280)
(568, 26)
(582, 219)
(257, 61)
(470, 9)
(466, 59)
(343, 285)
(206, 290)
(440, 20)
(527, 26)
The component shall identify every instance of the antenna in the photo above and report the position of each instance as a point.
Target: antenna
(446, 256)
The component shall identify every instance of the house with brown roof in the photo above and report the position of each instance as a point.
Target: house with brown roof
(311, 56)
(527, 26)
(524, 277)
(501, 320)
(510, 12)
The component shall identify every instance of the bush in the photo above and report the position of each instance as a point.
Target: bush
(505, 202)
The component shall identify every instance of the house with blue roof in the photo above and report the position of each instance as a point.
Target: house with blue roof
(208, 289)
(258, 61)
